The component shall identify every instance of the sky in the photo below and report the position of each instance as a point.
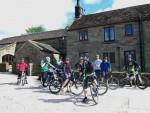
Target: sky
(18, 15)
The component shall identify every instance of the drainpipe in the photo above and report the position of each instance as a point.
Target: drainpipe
(118, 51)
(141, 42)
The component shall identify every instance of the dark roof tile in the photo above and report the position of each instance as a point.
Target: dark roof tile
(36, 36)
(111, 17)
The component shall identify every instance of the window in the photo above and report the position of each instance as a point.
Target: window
(128, 30)
(109, 34)
(8, 58)
(127, 53)
(110, 56)
(83, 54)
(83, 35)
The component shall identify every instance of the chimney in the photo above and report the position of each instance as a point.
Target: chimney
(78, 10)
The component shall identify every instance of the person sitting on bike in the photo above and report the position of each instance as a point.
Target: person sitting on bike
(22, 68)
(105, 68)
(131, 67)
(88, 70)
(66, 68)
(46, 69)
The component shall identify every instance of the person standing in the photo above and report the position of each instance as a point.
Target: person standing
(105, 68)
(97, 68)
(66, 68)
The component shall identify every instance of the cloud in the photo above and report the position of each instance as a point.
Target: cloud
(18, 15)
(128, 3)
(92, 1)
(117, 4)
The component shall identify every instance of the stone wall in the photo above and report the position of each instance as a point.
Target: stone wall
(147, 44)
(96, 45)
(8, 49)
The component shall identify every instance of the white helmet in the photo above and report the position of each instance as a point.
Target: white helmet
(48, 59)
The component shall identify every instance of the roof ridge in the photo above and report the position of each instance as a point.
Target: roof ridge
(136, 6)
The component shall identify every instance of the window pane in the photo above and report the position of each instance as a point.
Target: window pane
(112, 33)
(109, 34)
(128, 29)
(106, 34)
(83, 35)
(80, 35)
(127, 53)
(82, 54)
(105, 55)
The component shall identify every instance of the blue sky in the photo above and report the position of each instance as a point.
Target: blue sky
(91, 8)
(18, 15)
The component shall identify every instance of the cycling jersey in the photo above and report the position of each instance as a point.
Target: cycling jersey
(66, 67)
(131, 66)
(45, 67)
(22, 67)
(88, 67)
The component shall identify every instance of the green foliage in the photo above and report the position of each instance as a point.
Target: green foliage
(36, 29)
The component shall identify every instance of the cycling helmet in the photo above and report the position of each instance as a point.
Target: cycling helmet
(48, 59)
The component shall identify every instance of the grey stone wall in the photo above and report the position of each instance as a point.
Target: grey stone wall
(96, 45)
(147, 44)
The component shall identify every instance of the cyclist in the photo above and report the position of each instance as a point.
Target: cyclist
(97, 68)
(66, 68)
(131, 67)
(88, 69)
(105, 68)
(46, 69)
(22, 67)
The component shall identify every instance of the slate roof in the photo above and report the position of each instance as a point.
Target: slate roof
(36, 36)
(42, 46)
(112, 17)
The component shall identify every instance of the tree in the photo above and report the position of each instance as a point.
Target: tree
(36, 29)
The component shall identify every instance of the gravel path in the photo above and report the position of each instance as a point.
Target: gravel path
(33, 98)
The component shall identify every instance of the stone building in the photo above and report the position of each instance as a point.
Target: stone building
(115, 34)
(33, 47)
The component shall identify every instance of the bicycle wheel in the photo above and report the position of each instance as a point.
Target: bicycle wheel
(46, 82)
(113, 83)
(76, 88)
(122, 82)
(94, 93)
(55, 86)
(142, 82)
(103, 88)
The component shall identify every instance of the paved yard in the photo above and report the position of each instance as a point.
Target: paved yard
(33, 98)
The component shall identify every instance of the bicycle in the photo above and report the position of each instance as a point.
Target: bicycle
(94, 88)
(48, 79)
(74, 86)
(137, 79)
(22, 80)
(111, 81)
